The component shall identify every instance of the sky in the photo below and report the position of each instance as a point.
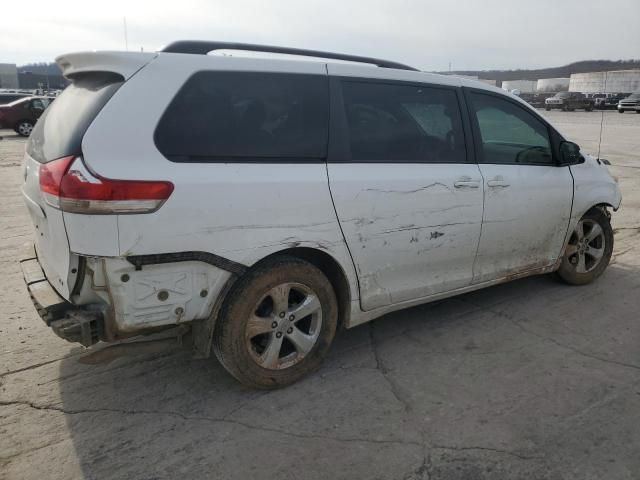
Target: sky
(427, 34)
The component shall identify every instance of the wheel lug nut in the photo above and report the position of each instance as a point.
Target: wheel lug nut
(281, 314)
(278, 334)
(292, 318)
(290, 330)
(274, 324)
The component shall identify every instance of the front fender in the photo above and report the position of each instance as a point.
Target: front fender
(593, 185)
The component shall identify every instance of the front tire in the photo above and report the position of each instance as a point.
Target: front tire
(277, 323)
(620, 110)
(589, 249)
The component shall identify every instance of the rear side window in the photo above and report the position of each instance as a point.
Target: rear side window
(60, 129)
(224, 116)
(403, 123)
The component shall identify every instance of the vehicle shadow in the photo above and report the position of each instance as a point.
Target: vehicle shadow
(463, 372)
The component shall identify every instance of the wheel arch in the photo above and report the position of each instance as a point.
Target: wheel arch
(202, 331)
(332, 269)
(601, 205)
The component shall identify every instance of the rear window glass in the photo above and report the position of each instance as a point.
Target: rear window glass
(60, 129)
(220, 116)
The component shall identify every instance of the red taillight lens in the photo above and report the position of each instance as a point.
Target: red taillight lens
(50, 178)
(68, 184)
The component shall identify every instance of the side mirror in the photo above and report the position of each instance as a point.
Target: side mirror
(570, 154)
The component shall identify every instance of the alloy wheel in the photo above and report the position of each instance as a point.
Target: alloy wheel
(284, 327)
(586, 246)
(25, 129)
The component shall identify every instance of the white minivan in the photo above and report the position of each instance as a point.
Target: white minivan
(262, 203)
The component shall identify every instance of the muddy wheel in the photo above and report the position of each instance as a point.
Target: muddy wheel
(277, 323)
(589, 249)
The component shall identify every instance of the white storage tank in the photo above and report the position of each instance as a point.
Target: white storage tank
(552, 85)
(8, 75)
(615, 81)
(523, 86)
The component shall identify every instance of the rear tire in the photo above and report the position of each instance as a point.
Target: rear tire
(589, 249)
(24, 128)
(277, 323)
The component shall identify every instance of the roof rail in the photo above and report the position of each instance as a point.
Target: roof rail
(203, 47)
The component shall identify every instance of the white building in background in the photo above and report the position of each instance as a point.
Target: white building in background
(8, 75)
(552, 85)
(522, 86)
(615, 81)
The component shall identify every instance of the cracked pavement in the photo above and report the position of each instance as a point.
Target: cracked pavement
(527, 380)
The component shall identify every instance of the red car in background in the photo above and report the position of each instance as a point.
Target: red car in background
(23, 114)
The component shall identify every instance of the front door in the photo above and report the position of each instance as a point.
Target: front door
(408, 201)
(527, 197)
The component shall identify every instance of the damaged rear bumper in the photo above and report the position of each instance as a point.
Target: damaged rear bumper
(83, 325)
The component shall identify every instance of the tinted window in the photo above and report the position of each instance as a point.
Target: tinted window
(396, 123)
(225, 115)
(37, 104)
(60, 129)
(510, 134)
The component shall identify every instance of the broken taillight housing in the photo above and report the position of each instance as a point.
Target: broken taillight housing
(68, 184)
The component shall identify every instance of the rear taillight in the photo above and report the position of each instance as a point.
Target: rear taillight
(68, 184)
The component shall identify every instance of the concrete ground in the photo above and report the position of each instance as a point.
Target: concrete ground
(528, 380)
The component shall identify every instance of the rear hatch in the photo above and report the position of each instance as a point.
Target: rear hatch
(58, 134)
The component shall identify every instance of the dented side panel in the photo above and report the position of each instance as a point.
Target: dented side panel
(594, 186)
(526, 216)
(410, 230)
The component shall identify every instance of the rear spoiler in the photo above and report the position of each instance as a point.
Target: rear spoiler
(122, 63)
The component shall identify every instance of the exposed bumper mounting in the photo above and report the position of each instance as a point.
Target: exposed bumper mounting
(68, 321)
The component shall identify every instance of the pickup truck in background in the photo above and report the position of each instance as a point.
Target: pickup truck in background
(631, 103)
(569, 101)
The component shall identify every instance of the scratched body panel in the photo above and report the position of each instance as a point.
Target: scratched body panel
(410, 231)
(525, 221)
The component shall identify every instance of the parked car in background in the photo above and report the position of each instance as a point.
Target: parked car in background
(609, 101)
(630, 103)
(569, 101)
(227, 199)
(537, 100)
(21, 115)
(12, 97)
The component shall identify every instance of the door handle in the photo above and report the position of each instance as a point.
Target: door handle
(498, 182)
(466, 184)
